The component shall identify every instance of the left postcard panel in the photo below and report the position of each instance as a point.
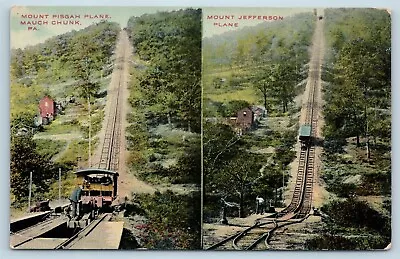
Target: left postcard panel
(105, 117)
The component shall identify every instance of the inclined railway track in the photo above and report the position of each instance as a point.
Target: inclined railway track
(258, 236)
(109, 160)
(69, 243)
(26, 235)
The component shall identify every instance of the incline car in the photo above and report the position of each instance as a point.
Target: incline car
(305, 135)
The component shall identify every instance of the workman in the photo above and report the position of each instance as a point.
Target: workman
(75, 200)
(259, 205)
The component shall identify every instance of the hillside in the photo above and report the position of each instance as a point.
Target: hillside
(70, 68)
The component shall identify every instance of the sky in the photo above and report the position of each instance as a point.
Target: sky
(21, 36)
(4, 129)
(219, 20)
(24, 31)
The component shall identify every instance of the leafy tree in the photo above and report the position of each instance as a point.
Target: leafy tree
(171, 42)
(173, 221)
(188, 168)
(237, 178)
(25, 159)
(361, 84)
(220, 144)
(232, 107)
(33, 69)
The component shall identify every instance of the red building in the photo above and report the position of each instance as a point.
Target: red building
(47, 108)
(245, 119)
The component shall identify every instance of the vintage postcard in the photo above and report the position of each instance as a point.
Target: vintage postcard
(296, 129)
(183, 128)
(105, 128)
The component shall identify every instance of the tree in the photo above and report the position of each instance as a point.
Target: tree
(25, 159)
(220, 144)
(171, 83)
(84, 65)
(277, 80)
(264, 81)
(237, 177)
(361, 83)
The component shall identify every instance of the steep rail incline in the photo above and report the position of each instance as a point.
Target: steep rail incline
(299, 208)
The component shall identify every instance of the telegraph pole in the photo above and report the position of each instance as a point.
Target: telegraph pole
(90, 123)
(30, 191)
(90, 130)
(59, 186)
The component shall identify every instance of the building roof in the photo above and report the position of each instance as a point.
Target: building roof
(305, 130)
(47, 97)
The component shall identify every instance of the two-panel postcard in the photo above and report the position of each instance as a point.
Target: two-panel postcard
(178, 128)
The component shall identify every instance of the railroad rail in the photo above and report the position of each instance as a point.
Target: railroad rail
(19, 238)
(34, 237)
(109, 158)
(258, 236)
(83, 233)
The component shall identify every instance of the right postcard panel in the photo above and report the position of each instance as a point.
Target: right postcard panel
(296, 129)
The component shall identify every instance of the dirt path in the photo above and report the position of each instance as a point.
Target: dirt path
(294, 236)
(317, 54)
(319, 192)
(128, 183)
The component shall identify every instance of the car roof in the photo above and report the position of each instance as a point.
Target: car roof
(88, 171)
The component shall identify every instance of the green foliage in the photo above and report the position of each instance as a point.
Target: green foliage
(255, 45)
(22, 120)
(77, 151)
(49, 148)
(188, 167)
(360, 89)
(338, 242)
(347, 175)
(351, 225)
(54, 68)
(173, 221)
(277, 80)
(357, 214)
(170, 84)
(357, 109)
(232, 171)
(25, 159)
(68, 183)
(269, 59)
(65, 55)
(163, 135)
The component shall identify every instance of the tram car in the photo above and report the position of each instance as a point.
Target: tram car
(98, 186)
(305, 135)
(96, 190)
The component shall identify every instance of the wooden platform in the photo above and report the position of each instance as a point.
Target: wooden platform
(30, 216)
(42, 243)
(107, 235)
(27, 235)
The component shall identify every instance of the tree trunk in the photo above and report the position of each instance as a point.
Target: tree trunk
(358, 140)
(265, 100)
(367, 135)
(241, 214)
(169, 120)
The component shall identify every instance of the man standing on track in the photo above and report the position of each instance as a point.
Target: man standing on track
(75, 199)
(259, 205)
